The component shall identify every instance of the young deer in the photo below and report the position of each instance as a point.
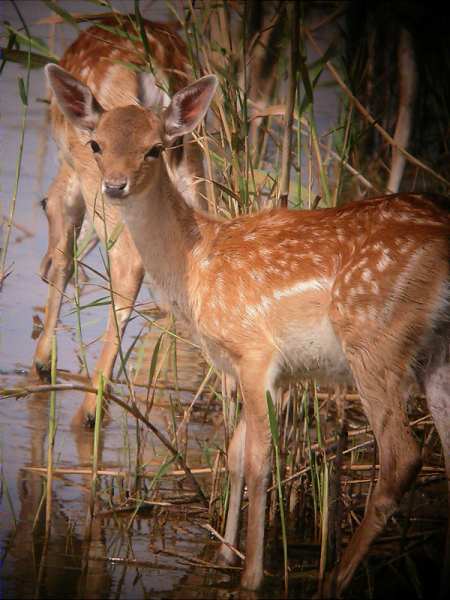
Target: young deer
(359, 293)
(96, 57)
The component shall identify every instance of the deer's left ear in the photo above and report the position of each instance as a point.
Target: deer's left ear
(75, 99)
(188, 107)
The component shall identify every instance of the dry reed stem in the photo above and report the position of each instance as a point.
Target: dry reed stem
(119, 474)
(217, 535)
(286, 153)
(412, 159)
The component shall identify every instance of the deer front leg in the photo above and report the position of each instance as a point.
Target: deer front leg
(257, 466)
(65, 211)
(236, 469)
(126, 278)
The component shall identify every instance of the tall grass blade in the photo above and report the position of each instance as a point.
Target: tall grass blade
(51, 442)
(77, 310)
(64, 14)
(97, 433)
(31, 41)
(12, 206)
(273, 422)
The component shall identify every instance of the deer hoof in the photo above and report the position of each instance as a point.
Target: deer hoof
(226, 556)
(89, 421)
(42, 370)
(251, 580)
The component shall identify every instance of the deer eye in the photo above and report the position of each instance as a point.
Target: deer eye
(95, 147)
(154, 152)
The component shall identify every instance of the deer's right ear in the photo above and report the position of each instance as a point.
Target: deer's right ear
(75, 99)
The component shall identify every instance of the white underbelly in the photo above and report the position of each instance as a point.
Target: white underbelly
(313, 351)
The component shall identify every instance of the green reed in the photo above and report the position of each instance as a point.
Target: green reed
(51, 441)
(274, 430)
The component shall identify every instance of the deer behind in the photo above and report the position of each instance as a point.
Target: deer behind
(355, 294)
(95, 58)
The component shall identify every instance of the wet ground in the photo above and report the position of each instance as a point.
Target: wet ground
(156, 551)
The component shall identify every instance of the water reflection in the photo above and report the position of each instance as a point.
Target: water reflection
(117, 552)
(26, 571)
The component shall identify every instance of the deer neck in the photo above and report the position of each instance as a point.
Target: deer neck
(165, 231)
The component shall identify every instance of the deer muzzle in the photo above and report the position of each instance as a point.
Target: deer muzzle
(116, 188)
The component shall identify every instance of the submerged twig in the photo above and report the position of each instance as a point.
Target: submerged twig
(130, 408)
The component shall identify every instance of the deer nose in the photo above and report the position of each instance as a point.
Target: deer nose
(115, 188)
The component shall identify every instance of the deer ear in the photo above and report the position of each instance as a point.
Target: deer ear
(189, 106)
(75, 99)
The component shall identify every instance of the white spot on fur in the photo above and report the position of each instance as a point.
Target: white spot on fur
(301, 287)
(362, 262)
(406, 248)
(265, 303)
(251, 311)
(204, 263)
(257, 276)
(84, 73)
(317, 260)
(401, 285)
(367, 275)
(384, 261)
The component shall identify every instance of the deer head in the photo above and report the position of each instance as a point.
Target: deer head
(127, 142)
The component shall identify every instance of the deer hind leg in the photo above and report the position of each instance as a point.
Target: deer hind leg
(437, 388)
(236, 451)
(126, 278)
(65, 211)
(384, 400)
